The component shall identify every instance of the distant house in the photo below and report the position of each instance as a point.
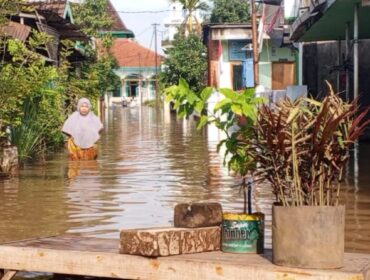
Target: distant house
(118, 29)
(137, 70)
(53, 17)
(230, 57)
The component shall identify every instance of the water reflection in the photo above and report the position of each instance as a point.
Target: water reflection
(148, 162)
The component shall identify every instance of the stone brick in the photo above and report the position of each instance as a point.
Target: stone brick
(169, 241)
(197, 215)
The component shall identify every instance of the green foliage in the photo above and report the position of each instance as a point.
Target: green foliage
(8, 8)
(186, 59)
(24, 77)
(233, 109)
(90, 79)
(92, 16)
(35, 96)
(39, 127)
(230, 11)
(235, 115)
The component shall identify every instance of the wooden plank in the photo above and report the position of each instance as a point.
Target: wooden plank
(283, 75)
(9, 275)
(70, 243)
(212, 265)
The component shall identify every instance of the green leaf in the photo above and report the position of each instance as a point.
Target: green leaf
(203, 121)
(183, 84)
(199, 106)
(206, 93)
(249, 111)
(169, 98)
(236, 108)
(228, 93)
(222, 104)
(191, 97)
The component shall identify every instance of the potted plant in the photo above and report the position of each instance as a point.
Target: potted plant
(241, 232)
(301, 148)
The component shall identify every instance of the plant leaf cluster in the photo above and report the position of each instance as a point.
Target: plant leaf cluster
(230, 11)
(228, 114)
(302, 147)
(186, 59)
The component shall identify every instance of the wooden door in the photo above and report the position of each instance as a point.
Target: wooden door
(283, 75)
(237, 77)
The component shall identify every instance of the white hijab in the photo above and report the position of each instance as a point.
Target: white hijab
(83, 129)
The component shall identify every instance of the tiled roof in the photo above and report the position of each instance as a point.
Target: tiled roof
(56, 6)
(118, 24)
(129, 53)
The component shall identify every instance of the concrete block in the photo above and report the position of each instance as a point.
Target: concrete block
(197, 215)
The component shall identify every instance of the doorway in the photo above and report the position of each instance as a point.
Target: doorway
(237, 77)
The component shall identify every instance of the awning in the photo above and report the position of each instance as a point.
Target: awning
(326, 20)
(66, 29)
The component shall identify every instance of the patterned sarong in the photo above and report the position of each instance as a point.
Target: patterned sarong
(76, 153)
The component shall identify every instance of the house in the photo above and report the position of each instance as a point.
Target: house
(118, 29)
(137, 65)
(230, 56)
(137, 70)
(53, 17)
(338, 54)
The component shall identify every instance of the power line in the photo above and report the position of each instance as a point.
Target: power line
(143, 12)
(143, 31)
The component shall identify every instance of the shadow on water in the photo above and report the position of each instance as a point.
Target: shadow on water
(147, 163)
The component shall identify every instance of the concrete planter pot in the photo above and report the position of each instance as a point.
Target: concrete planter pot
(242, 233)
(8, 160)
(308, 236)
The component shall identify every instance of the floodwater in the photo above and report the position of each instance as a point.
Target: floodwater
(148, 162)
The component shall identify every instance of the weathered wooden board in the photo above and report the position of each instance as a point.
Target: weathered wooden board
(8, 275)
(99, 257)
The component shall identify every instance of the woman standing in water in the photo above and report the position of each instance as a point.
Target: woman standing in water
(83, 128)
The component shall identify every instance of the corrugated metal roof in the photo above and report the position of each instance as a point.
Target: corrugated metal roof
(16, 31)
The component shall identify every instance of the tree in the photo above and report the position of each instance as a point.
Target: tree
(8, 7)
(186, 59)
(91, 79)
(30, 104)
(191, 6)
(92, 16)
(230, 11)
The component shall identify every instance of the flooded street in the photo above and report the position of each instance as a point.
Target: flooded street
(148, 162)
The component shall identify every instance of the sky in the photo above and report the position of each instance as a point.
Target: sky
(141, 23)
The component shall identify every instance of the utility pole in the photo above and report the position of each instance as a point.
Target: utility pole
(255, 43)
(156, 65)
(140, 81)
